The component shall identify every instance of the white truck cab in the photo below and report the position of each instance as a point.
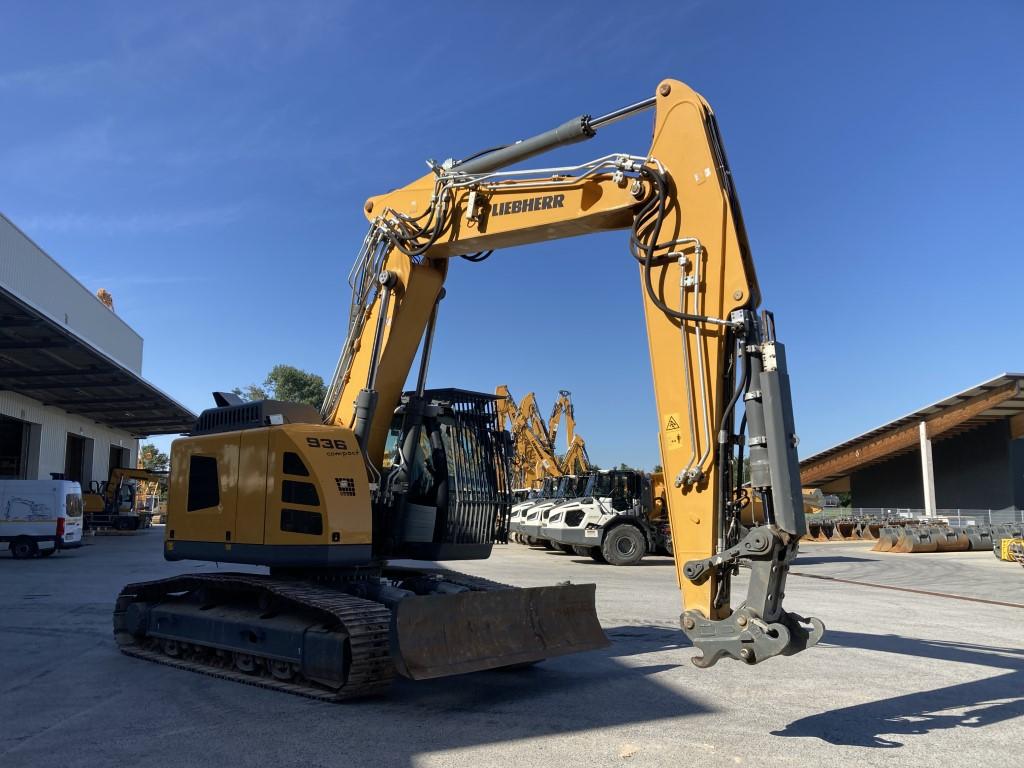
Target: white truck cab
(535, 517)
(614, 522)
(519, 509)
(40, 517)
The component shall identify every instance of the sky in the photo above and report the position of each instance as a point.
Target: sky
(207, 164)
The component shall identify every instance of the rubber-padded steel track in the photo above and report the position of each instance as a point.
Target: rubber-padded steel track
(366, 623)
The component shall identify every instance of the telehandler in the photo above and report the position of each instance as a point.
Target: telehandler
(329, 500)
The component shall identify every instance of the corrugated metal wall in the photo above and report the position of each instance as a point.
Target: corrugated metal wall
(27, 271)
(56, 424)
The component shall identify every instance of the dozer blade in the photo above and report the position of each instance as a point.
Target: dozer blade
(441, 635)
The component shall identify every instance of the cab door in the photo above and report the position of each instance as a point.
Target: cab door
(204, 488)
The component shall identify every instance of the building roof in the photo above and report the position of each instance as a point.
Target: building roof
(41, 359)
(992, 400)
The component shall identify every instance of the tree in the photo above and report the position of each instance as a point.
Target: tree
(153, 459)
(286, 382)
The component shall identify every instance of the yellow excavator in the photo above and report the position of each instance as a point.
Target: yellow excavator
(114, 503)
(532, 456)
(329, 500)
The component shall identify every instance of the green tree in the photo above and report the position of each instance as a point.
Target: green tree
(153, 459)
(286, 382)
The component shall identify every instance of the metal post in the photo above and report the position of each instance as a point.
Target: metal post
(927, 471)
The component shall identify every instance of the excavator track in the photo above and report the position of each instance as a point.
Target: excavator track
(256, 629)
(366, 623)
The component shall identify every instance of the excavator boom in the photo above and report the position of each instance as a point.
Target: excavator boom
(708, 346)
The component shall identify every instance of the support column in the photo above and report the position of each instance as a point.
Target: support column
(927, 471)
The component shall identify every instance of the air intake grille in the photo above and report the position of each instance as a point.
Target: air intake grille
(228, 419)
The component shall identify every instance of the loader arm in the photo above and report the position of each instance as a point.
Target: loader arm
(708, 347)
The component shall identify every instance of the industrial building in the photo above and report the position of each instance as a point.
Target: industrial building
(965, 452)
(72, 398)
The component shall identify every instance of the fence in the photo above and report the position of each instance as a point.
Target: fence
(957, 517)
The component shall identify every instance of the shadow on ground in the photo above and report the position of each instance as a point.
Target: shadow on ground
(543, 701)
(823, 559)
(643, 563)
(973, 704)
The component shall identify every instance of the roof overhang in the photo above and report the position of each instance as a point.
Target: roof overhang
(46, 362)
(993, 400)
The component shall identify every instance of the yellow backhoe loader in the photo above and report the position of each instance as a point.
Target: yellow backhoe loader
(329, 500)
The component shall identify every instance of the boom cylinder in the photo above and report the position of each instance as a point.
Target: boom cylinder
(570, 132)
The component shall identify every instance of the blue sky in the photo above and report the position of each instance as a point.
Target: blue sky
(207, 164)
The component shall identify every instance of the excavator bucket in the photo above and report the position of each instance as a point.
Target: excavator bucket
(846, 530)
(813, 530)
(869, 530)
(952, 540)
(978, 538)
(887, 539)
(441, 635)
(827, 529)
(917, 538)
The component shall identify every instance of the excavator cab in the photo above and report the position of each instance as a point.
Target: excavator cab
(445, 492)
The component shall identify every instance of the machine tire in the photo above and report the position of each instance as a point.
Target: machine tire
(566, 548)
(624, 545)
(22, 548)
(580, 550)
(597, 556)
(546, 543)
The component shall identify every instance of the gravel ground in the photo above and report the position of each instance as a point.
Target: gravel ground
(902, 678)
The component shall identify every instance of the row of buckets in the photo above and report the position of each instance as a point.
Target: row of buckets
(912, 535)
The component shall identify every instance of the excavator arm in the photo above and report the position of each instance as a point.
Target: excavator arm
(563, 406)
(576, 461)
(533, 454)
(710, 350)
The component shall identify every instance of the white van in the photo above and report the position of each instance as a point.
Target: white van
(38, 517)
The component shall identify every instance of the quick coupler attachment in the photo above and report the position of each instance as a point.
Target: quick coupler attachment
(746, 637)
(759, 628)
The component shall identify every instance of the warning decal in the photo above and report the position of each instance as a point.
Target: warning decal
(673, 436)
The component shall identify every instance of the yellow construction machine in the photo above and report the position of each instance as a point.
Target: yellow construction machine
(532, 456)
(330, 500)
(114, 503)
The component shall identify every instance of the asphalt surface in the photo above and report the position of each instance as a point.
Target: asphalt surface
(902, 679)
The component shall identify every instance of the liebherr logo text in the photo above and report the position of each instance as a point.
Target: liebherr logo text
(528, 204)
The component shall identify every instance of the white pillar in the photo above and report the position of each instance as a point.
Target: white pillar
(927, 472)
